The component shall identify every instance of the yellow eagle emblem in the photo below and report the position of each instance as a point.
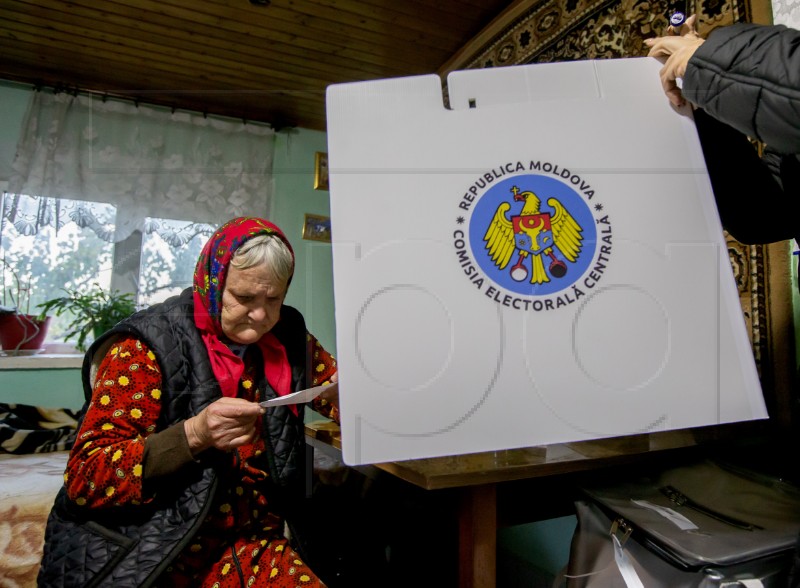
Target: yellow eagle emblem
(533, 233)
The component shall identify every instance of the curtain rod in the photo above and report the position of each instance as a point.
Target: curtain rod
(60, 88)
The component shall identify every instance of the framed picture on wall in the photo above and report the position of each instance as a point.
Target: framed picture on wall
(321, 171)
(317, 228)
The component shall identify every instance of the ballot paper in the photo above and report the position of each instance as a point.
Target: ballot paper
(540, 261)
(300, 397)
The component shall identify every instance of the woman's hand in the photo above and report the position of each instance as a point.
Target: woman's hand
(331, 394)
(327, 403)
(225, 424)
(677, 50)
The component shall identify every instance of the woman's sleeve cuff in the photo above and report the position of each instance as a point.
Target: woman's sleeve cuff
(166, 452)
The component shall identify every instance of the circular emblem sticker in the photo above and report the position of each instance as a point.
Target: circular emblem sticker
(534, 236)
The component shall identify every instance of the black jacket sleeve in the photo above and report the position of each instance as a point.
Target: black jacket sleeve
(748, 76)
(753, 205)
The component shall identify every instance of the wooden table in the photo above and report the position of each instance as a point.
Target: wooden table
(480, 477)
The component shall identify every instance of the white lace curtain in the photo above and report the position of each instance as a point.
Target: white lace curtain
(145, 161)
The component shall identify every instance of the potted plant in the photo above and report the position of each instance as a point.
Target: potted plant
(21, 333)
(93, 312)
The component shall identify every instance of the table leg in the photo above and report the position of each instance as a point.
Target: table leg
(309, 469)
(477, 553)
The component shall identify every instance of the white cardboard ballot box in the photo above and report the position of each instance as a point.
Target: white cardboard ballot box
(541, 262)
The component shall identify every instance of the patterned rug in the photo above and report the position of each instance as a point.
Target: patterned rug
(544, 31)
(569, 30)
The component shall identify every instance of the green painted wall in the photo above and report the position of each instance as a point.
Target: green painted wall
(294, 196)
(546, 544)
(53, 388)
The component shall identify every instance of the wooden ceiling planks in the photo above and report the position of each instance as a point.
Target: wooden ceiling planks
(229, 57)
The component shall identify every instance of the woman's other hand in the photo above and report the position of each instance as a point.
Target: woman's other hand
(331, 394)
(225, 424)
(327, 403)
(676, 51)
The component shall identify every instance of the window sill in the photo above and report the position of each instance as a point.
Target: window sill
(42, 361)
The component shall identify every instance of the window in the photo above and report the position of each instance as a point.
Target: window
(170, 249)
(76, 251)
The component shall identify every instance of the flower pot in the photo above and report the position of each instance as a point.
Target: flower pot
(22, 334)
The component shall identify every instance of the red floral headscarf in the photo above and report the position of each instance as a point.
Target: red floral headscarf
(209, 283)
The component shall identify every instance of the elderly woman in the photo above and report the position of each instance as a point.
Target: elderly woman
(179, 477)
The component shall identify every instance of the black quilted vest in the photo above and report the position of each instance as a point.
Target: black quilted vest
(132, 546)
